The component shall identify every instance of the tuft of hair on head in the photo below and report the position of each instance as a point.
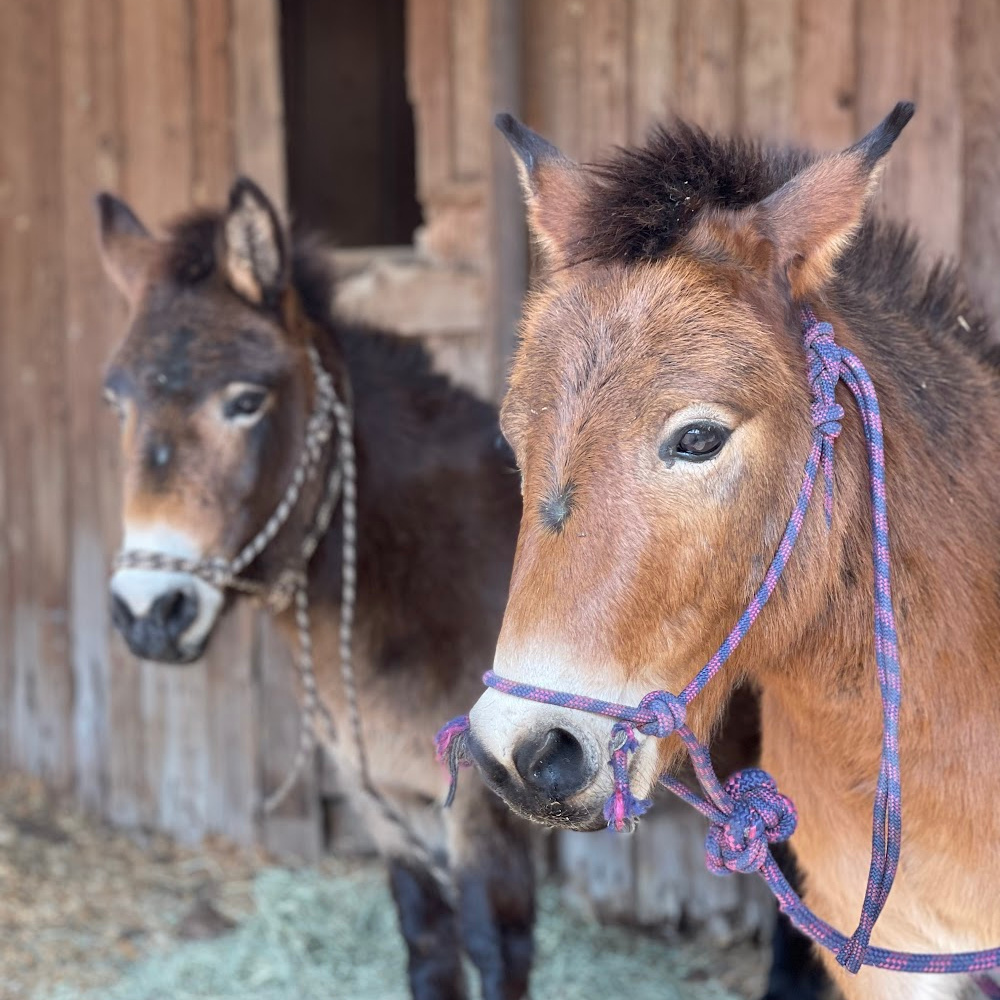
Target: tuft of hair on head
(254, 255)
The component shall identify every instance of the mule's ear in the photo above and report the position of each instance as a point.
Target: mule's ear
(553, 188)
(254, 258)
(126, 245)
(811, 219)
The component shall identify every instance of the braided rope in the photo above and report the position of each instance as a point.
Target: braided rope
(748, 814)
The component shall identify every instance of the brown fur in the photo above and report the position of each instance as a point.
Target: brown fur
(438, 509)
(676, 287)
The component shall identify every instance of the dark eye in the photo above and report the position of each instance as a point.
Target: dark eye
(695, 443)
(247, 403)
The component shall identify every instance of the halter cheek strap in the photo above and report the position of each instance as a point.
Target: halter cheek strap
(747, 813)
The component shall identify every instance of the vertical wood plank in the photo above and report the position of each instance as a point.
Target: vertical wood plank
(37, 515)
(653, 64)
(428, 75)
(551, 75)
(935, 146)
(604, 109)
(770, 36)
(470, 47)
(94, 319)
(507, 264)
(907, 50)
(258, 111)
(826, 85)
(214, 155)
(708, 47)
(980, 34)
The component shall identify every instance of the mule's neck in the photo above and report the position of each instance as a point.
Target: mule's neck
(941, 417)
(438, 509)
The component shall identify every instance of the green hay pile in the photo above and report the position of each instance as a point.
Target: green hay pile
(315, 937)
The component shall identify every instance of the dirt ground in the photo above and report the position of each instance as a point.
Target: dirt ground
(81, 903)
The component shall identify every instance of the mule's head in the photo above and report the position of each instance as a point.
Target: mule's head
(659, 411)
(211, 385)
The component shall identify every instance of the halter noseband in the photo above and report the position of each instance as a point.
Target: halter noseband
(747, 813)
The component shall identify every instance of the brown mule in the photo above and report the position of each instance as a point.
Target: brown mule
(659, 412)
(213, 385)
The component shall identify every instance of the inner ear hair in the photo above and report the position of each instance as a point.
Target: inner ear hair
(253, 245)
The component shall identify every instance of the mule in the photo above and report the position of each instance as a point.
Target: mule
(659, 412)
(214, 385)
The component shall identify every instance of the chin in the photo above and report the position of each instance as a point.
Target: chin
(560, 816)
(180, 656)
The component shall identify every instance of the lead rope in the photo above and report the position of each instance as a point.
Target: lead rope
(748, 814)
(292, 588)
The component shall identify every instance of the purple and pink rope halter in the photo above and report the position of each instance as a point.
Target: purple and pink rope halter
(747, 813)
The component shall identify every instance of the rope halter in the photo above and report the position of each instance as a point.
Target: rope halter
(748, 814)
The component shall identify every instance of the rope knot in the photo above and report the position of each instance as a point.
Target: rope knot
(826, 417)
(623, 809)
(668, 713)
(760, 815)
(451, 749)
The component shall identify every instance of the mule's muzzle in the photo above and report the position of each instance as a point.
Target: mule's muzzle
(550, 773)
(158, 633)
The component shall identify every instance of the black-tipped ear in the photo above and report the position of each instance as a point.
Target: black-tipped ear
(254, 256)
(811, 219)
(126, 245)
(553, 188)
(879, 140)
(529, 147)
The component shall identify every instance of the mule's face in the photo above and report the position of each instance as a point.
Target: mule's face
(659, 412)
(652, 416)
(209, 391)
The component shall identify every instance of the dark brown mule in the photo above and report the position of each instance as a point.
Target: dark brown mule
(659, 411)
(213, 385)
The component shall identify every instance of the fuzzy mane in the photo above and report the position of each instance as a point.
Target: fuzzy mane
(642, 201)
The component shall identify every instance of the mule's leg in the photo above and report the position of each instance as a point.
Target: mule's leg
(796, 970)
(431, 933)
(496, 892)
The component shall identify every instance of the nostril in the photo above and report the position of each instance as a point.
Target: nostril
(174, 612)
(554, 764)
(121, 614)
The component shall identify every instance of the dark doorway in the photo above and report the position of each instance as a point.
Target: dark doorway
(349, 125)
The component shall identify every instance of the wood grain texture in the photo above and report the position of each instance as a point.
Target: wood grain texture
(825, 86)
(980, 81)
(709, 56)
(653, 64)
(34, 417)
(768, 67)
